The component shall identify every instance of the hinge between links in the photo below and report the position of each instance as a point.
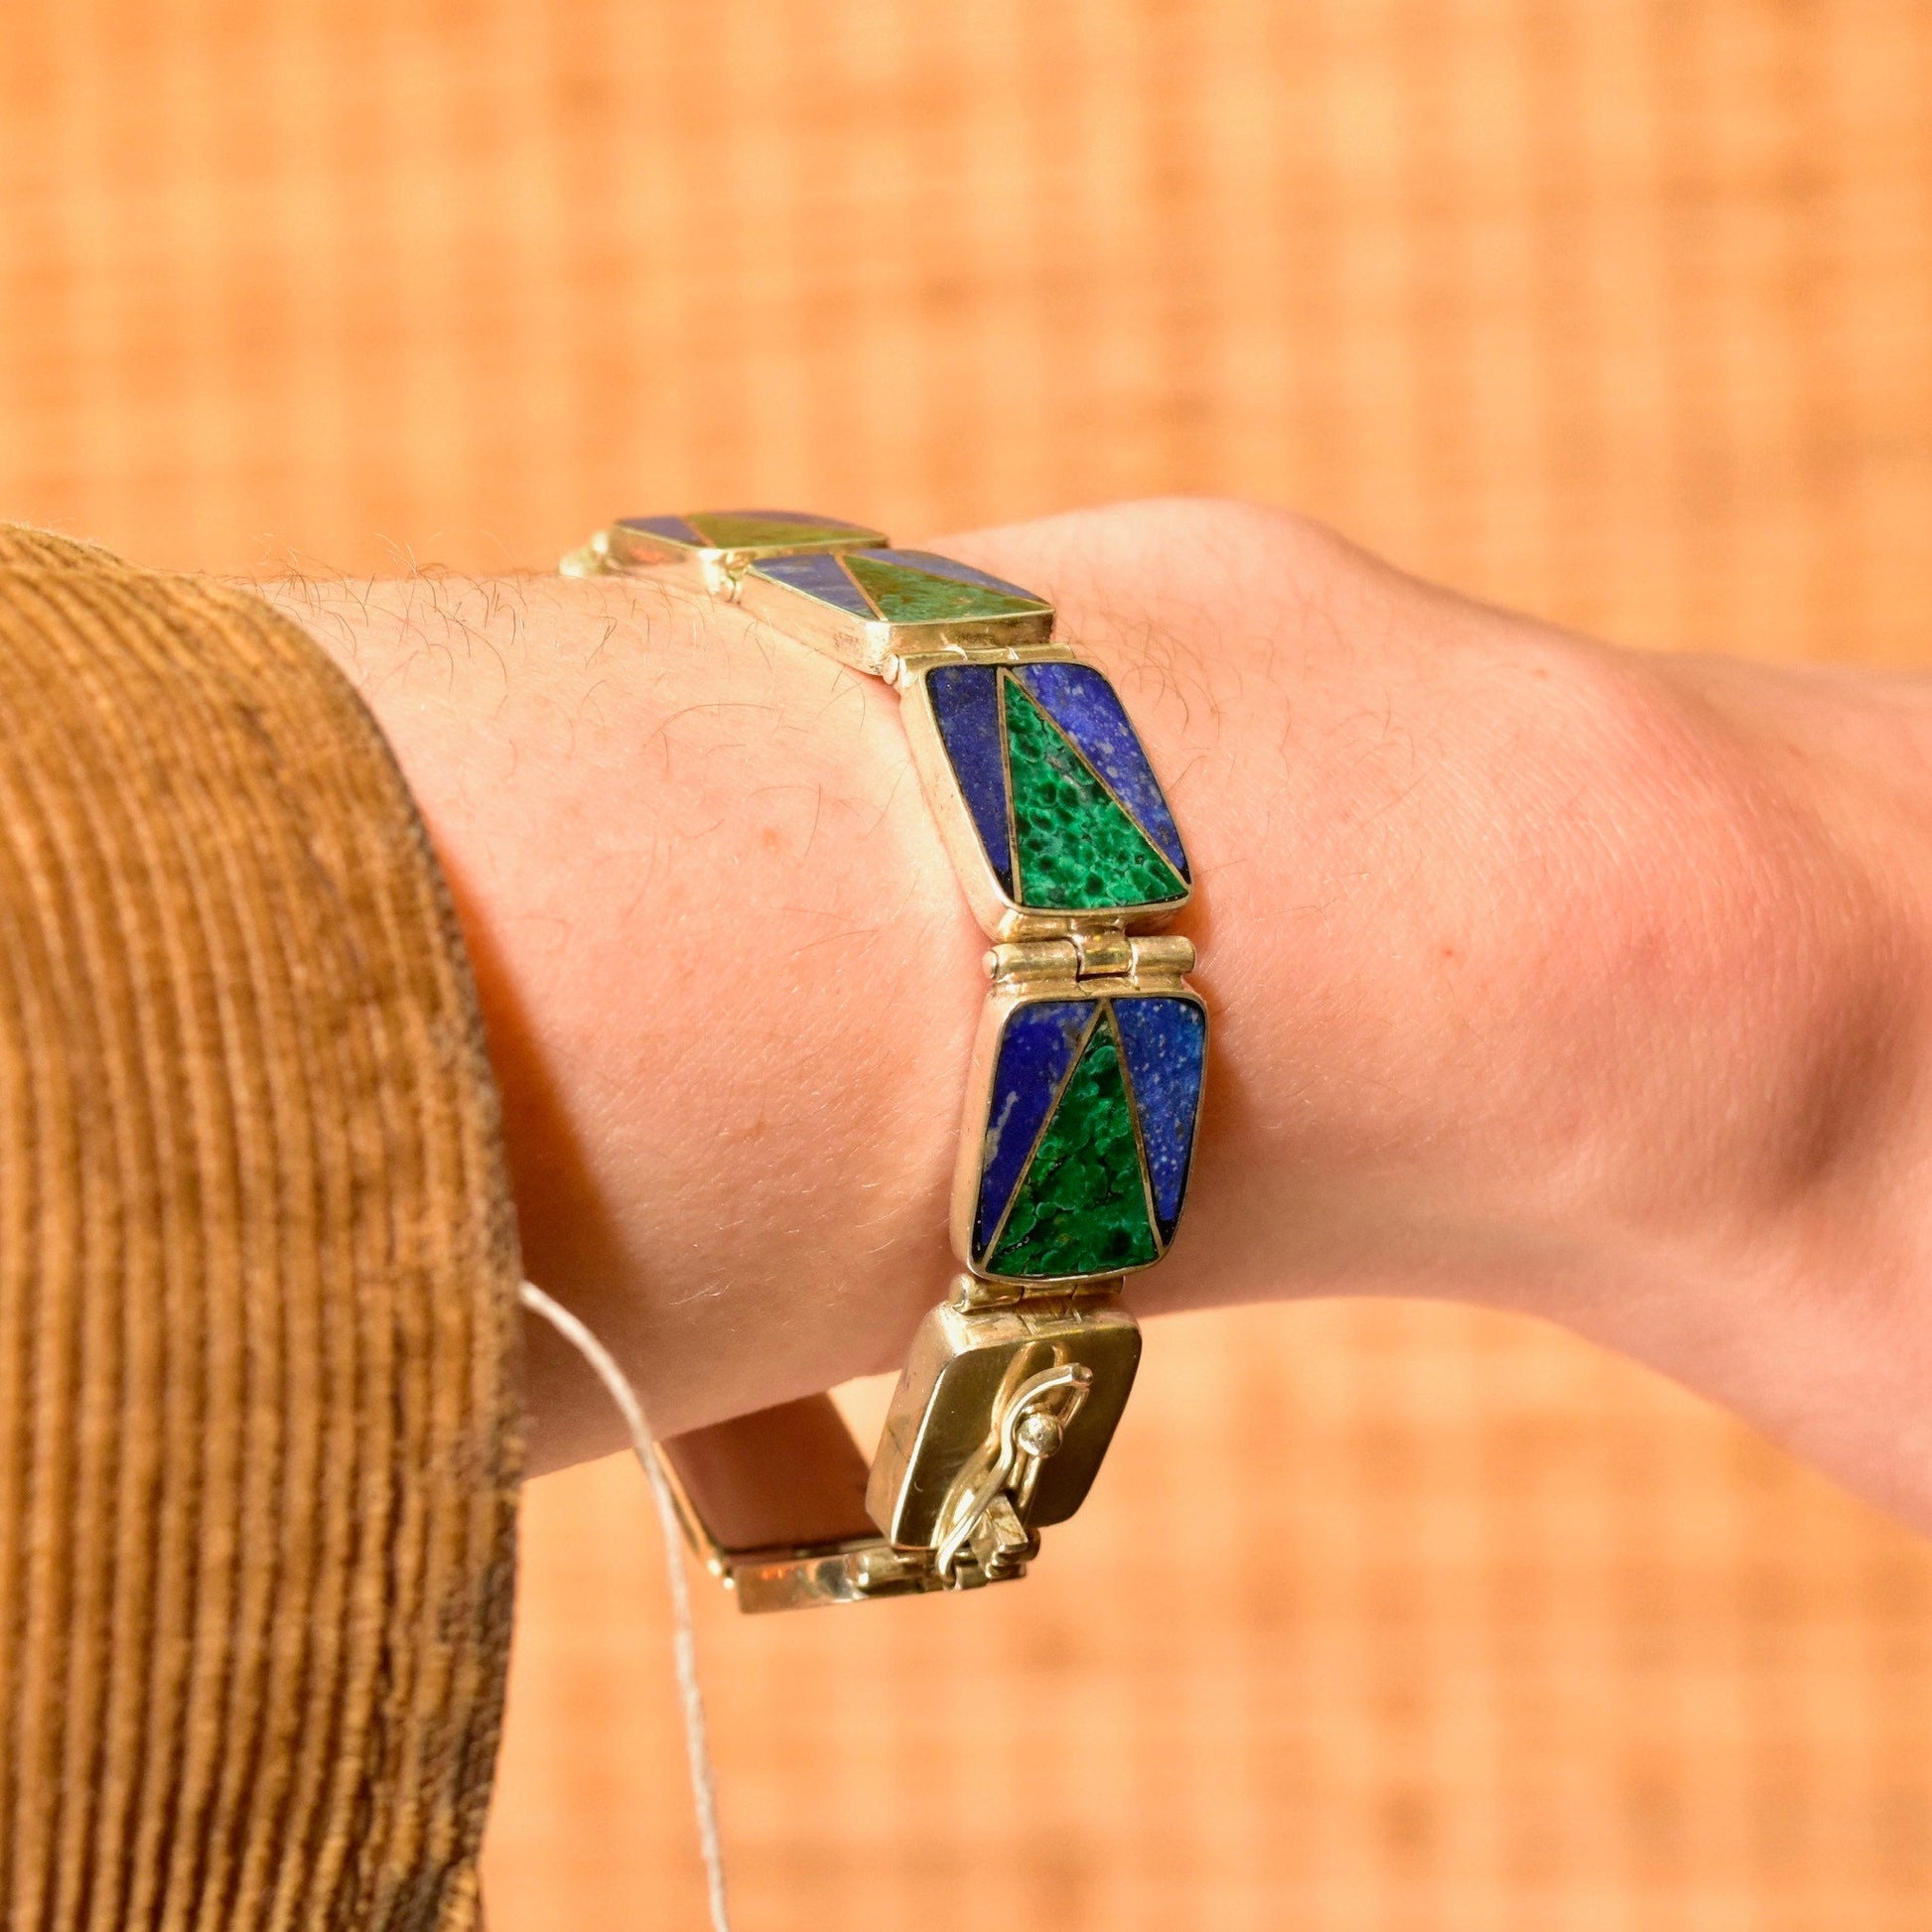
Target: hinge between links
(1108, 953)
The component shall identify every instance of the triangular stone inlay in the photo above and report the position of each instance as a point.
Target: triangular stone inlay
(1076, 848)
(907, 596)
(1083, 1207)
(966, 707)
(818, 574)
(1164, 1041)
(954, 572)
(760, 529)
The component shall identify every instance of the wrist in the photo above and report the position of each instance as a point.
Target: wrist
(712, 933)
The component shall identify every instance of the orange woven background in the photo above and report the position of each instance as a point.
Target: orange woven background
(1618, 308)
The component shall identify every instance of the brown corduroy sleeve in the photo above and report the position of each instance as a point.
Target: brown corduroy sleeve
(257, 1286)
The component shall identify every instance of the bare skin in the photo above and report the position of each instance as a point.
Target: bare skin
(1545, 975)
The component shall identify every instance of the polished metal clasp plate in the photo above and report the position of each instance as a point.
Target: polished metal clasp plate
(998, 1429)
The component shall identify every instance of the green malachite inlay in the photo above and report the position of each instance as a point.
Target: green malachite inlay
(912, 597)
(1076, 848)
(725, 531)
(1083, 1207)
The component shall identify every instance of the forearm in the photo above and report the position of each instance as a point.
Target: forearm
(1543, 974)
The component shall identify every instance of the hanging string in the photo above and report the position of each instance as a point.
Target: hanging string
(684, 1641)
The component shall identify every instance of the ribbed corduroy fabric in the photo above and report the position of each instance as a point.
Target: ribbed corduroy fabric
(257, 1278)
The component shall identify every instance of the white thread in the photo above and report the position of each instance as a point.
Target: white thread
(684, 1641)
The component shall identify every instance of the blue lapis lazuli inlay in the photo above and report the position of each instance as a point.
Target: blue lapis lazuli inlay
(819, 574)
(966, 705)
(673, 527)
(1036, 1049)
(1165, 1043)
(953, 571)
(1088, 710)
